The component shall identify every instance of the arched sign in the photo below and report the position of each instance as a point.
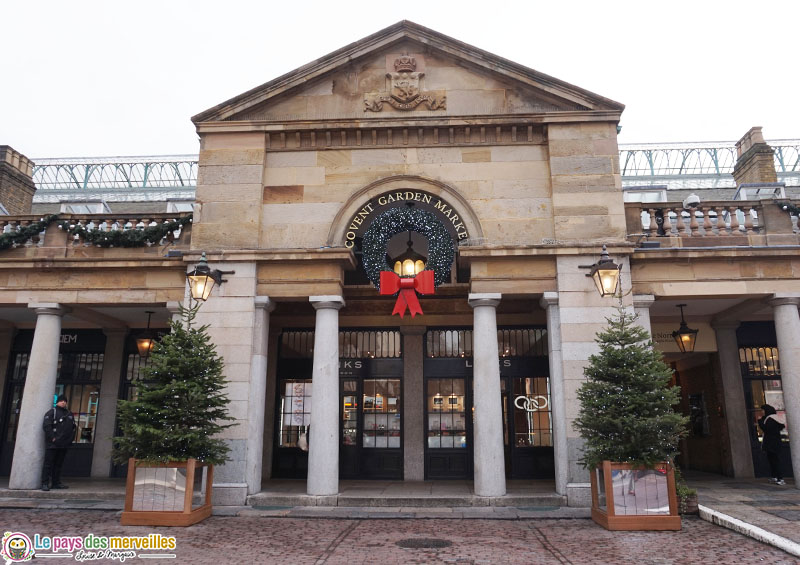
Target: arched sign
(361, 220)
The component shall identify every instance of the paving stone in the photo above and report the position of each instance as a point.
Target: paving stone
(256, 539)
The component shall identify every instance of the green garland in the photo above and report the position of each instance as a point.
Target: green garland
(789, 207)
(114, 238)
(24, 234)
(126, 238)
(441, 252)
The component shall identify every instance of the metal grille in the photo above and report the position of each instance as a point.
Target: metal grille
(370, 344)
(511, 342)
(353, 344)
(136, 363)
(760, 362)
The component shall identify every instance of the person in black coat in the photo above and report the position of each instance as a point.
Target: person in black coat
(59, 432)
(771, 444)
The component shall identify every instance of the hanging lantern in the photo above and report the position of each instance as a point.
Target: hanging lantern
(605, 274)
(147, 341)
(684, 336)
(410, 263)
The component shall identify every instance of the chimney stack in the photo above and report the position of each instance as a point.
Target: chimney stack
(755, 161)
(16, 181)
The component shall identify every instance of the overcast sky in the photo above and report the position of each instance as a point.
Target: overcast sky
(103, 78)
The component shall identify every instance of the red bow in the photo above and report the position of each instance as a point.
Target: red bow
(408, 287)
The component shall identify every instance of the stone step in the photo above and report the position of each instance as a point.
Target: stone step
(62, 494)
(267, 499)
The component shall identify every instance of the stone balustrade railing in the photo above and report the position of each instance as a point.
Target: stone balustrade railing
(709, 219)
(89, 229)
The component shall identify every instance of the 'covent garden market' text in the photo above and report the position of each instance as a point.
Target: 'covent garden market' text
(439, 206)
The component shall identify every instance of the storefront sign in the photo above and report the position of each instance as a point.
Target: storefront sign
(531, 403)
(430, 202)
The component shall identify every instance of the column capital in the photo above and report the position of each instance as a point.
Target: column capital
(548, 299)
(784, 301)
(173, 307)
(484, 299)
(413, 330)
(643, 300)
(327, 301)
(265, 303)
(51, 308)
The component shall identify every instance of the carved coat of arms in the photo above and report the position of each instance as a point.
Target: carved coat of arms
(405, 89)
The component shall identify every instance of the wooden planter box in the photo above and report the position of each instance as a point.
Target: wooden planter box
(162, 494)
(630, 498)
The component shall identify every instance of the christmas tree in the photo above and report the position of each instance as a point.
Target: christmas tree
(626, 412)
(180, 405)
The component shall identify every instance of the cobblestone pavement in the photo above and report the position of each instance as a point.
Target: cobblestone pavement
(255, 539)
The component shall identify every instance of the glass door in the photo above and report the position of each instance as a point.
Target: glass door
(757, 393)
(371, 414)
(528, 427)
(448, 450)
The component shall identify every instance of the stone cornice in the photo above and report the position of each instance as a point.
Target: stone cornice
(325, 254)
(410, 122)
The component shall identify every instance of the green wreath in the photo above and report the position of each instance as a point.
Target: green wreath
(441, 252)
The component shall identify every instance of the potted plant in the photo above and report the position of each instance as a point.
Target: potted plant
(687, 497)
(630, 430)
(167, 431)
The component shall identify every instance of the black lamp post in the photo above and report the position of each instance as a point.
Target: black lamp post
(684, 336)
(147, 341)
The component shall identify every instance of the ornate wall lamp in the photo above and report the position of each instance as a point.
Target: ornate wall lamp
(684, 336)
(202, 279)
(605, 274)
(147, 341)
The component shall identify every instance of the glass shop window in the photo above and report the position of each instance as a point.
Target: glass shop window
(447, 418)
(295, 411)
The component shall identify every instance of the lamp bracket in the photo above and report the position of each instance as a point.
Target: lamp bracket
(216, 274)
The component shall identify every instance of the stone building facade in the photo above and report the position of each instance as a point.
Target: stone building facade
(504, 179)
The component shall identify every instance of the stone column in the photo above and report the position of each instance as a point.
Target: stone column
(413, 409)
(323, 449)
(257, 394)
(549, 302)
(113, 358)
(40, 385)
(787, 330)
(733, 394)
(490, 467)
(641, 306)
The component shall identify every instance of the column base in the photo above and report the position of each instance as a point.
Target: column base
(579, 495)
(229, 494)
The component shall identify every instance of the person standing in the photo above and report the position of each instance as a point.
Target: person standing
(771, 443)
(59, 433)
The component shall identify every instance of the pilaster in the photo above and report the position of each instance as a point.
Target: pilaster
(733, 394)
(107, 407)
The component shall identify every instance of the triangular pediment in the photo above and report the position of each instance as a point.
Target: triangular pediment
(407, 71)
